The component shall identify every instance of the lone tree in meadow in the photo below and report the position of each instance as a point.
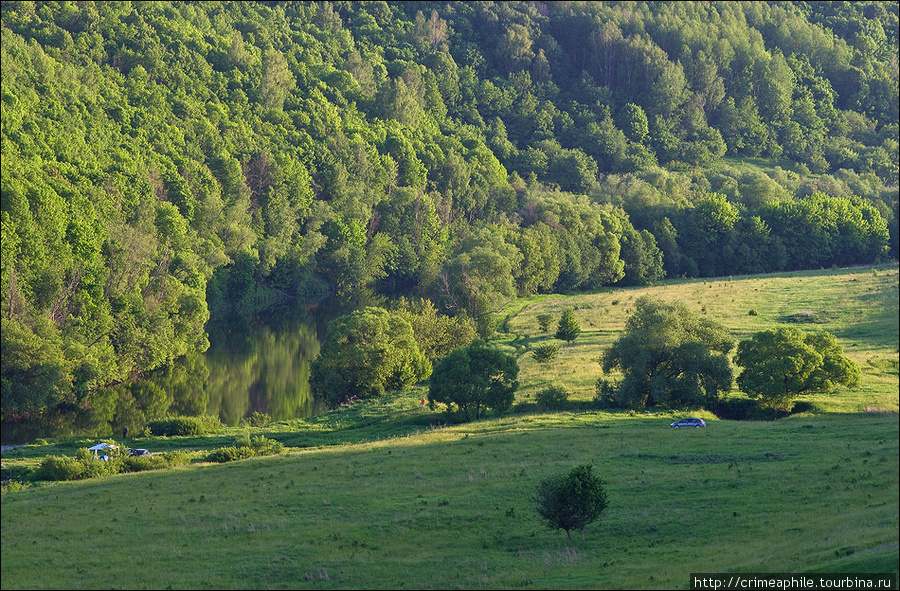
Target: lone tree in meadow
(572, 500)
(669, 356)
(474, 379)
(568, 328)
(782, 364)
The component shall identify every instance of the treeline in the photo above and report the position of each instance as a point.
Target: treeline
(164, 158)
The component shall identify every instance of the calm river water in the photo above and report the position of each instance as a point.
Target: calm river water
(257, 363)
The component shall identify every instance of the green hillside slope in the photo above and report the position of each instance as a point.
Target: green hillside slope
(161, 159)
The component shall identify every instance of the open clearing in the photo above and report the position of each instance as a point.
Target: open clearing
(385, 495)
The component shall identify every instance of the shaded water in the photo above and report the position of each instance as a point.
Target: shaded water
(257, 363)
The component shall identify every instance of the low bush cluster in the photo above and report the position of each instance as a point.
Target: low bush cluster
(84, 465)
(184, 426)
(244, 448)
(743, 409)
(60, 468)
(169, 459)
(258, 419)
(552, 398)
(230, 453)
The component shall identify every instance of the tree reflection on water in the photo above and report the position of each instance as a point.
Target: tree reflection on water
(257, 363)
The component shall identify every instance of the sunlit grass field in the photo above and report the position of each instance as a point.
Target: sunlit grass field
(386, 494)
(859, 306)
(451, 508)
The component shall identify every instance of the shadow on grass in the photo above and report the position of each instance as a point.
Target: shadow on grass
(363, 430)
(364, 424)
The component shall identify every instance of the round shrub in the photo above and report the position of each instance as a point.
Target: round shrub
(571, 500)
(553, 398)
(258, 419)
(266, 447)
(605, 393)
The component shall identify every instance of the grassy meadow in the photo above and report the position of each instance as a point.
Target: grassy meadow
(859, 306)
(387, 494)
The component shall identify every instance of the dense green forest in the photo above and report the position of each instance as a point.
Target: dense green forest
(164, 159)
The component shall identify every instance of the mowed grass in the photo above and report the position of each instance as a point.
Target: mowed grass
(386, 495)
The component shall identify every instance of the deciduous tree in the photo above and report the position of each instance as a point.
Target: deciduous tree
(572, 500)
(634, 123)
(438, 335)
(478, 280)
(474, 379)
(780, 365)
(365, 354)
(669, 356)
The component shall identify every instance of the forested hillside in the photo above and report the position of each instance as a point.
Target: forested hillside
(161, 159)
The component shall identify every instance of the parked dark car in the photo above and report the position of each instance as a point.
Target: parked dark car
(689, 422)
(139, 452)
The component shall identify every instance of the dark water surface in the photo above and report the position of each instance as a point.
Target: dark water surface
(259, 364)
(255, 363)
